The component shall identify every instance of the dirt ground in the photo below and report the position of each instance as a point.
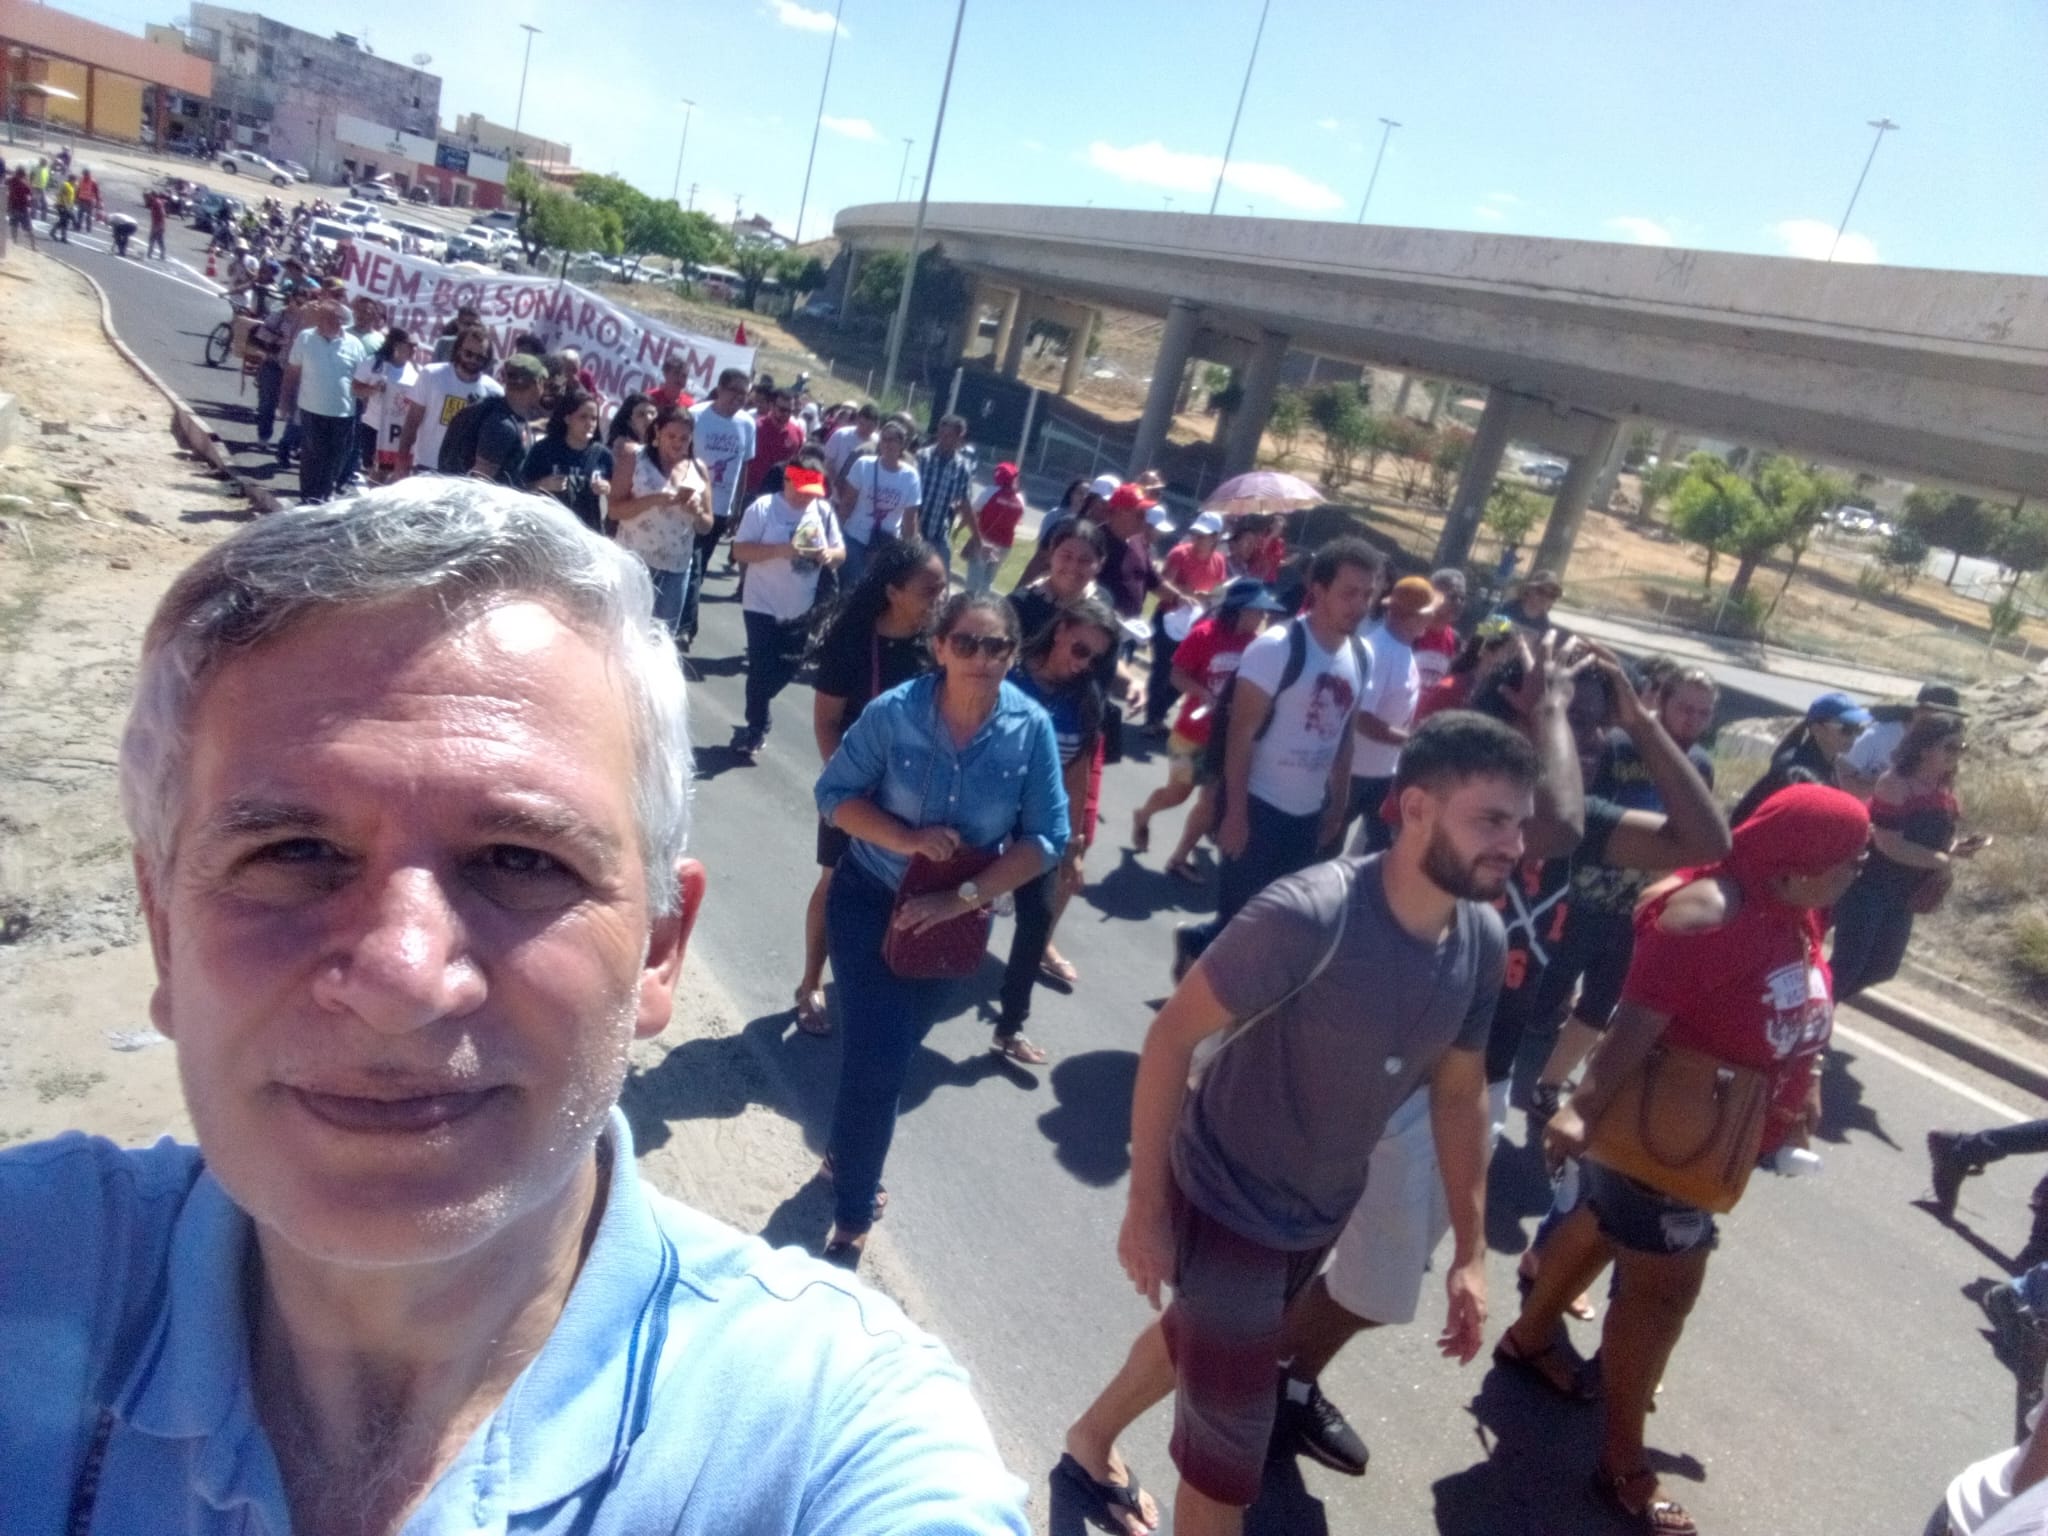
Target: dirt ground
(99, 510)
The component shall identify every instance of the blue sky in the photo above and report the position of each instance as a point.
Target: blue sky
(1735, 126)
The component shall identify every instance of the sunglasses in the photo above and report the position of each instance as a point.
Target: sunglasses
(994, 647)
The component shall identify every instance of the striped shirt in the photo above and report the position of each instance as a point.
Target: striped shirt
(947, 482)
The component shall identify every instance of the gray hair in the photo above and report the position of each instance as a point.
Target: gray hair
(465, 541)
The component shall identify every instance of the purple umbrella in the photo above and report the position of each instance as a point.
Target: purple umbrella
(1262, 490)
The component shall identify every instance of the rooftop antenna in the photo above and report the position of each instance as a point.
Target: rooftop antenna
(422, 60)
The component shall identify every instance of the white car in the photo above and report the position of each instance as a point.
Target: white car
(236, 162)
(354, 208)
(381, 234)
(299, 172)
(376, 191)
(327, 233)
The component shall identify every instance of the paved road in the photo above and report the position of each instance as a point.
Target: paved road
(1835, 1373)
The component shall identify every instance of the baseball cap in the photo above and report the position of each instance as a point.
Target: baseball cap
(1249, 592)
(1158, 517)
(1005, 475)
(1129, 498)
(1836, 707)
(1207, 525)
(524, 367)
(1103, 486)
(1940, 696)
(1543, 579)
(1413, 595)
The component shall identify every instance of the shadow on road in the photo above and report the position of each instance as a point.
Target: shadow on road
(1843, 1107)
(1131, 892)
(1517, 1186)
(1090, 1126)
(1285, 1506)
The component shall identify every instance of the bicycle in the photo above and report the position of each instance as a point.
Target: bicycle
(220, 342)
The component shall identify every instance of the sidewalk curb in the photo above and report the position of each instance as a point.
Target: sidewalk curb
(2001, 1064)
(186, 425)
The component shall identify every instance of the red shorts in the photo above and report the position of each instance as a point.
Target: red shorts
(1223, 1331)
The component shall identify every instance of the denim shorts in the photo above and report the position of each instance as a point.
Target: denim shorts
(1642, 1220)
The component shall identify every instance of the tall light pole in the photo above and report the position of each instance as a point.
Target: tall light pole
(904, 169)
(1231, 143)
(817, 123)
(1387, 127)
(902, 321)
(1883, 125)
(519, 111)
(688, 108)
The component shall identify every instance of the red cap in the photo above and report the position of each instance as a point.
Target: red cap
(1130, 498)
(1006, 475)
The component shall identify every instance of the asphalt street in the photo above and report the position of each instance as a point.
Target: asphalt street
(1836, 1372)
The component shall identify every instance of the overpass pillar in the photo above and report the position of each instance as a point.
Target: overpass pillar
(853, 260)
(1020, 332)
(1176, 347)
(1561, 532)
(1077, 351)
(1610, 472)
(1401, 395)
(1248, 421)
(1007, 325)
(1475, 480)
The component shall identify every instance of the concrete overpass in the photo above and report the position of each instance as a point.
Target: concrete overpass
(1931, 374)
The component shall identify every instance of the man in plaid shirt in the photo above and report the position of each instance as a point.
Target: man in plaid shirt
(946, 472)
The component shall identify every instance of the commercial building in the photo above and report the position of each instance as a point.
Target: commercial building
(59, 70)
(475, 131)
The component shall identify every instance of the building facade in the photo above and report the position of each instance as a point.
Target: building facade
(474, 131)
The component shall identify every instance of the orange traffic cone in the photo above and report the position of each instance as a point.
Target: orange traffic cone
(210, 269)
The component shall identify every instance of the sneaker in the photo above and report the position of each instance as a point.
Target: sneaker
(1318, 1430)
(1544, 1099)
(1951, 1167)
(1185, 954)
(2022, 1342)
(745, 744)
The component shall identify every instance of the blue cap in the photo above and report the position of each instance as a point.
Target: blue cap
(1838, 707)
(1249, 592)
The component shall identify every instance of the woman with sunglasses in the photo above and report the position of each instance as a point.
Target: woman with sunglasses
(1060, 671)
(1807, 753)
(665, 511)
(955, 761)
(1913, 816)
(1075, 559)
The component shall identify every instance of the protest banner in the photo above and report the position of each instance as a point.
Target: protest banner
(622, 349)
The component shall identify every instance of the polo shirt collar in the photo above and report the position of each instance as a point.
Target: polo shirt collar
(569, 1419)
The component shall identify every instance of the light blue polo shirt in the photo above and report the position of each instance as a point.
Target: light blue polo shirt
(696, 1383)
(327, 369)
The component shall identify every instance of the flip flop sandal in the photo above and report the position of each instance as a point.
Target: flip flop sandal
(1580, 1391)
(881, 1192)
(1016, 1048)
(1059, 971)
(811, 1016)
(1101, 1502)
(1658, 1517)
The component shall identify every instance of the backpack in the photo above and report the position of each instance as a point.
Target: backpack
(1217, 746)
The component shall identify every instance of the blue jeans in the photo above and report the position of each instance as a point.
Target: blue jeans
(670, 588)
(269, 386)
(856, 558)
(1279, 845)
(982, 566)
(775, 651)
(325, 443)
(881, 1019)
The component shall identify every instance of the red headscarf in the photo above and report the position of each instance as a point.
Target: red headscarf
(1803, 829)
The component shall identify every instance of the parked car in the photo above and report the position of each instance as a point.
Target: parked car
(506, 219)
(1547, 473)
(462, 252)
(353, 208)
(419, 195)
(820, 309)
(376, 191)
(236, 162)
(328, 233)
(299, 172)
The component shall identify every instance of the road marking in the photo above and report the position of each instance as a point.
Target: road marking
(198, 283)
(1856, 1037)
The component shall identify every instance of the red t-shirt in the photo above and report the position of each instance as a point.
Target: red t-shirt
(1753, 992)
(773, 445)
(997, 520)
(1210, 655)
(1433, 653)
(1447, 692)
(1271, 556)
(664, 397)
(1191, 573)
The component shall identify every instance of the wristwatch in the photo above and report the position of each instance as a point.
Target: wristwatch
(969, 894)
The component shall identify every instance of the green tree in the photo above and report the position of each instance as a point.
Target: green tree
(1512, 512)
(2022, 545)
(1801, 499)
(1380, 439)
(1340, 420)
(1657, 484)
(1286, 424)
(800, 274)
(753, 260)
(1713, 507)
(1446, 461)
(1962, 525)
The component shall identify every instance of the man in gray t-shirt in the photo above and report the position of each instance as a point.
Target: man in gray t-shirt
(1343, 989)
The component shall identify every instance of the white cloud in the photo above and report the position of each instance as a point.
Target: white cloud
(1154, 165)
(1328, 124)
(1503, 199)
(1033, 145)
(790, 14)
(1488, 214)
(1811, 238)
(1642, 231)
(851, 128)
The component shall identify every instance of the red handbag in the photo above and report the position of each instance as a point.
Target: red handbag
(952, 948)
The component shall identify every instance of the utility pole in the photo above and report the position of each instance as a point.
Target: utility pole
(691, 205)
(904, 169)
(817, 123)
(1387, 127)
(902, 321)
(688, 108)
(1243, 90)
(1883, 125)
(519, 111)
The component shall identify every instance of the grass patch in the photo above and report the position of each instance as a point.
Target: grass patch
(2030, 947)
(64, 1083)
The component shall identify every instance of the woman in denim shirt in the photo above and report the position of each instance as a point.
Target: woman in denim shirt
(956, 759)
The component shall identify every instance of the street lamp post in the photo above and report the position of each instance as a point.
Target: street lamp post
(817, 123)
(902, 320)
(1387, 127)
(519, 112)
(1242, 91)
(904, 169)
(1883, 125)
(688, 108)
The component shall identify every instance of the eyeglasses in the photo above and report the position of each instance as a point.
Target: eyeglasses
(473, 359)
(1081, 650)
(966, 647)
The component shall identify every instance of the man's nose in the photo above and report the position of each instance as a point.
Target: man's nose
(405, 960)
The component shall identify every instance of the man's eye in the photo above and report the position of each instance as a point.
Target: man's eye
(509, 859)
(297, 850)
(525, 879)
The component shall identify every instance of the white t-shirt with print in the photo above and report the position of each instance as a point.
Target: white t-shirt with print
(883, 496)
(443, 393)
(1392, 694)
(725, 444)
(840, 449)
(1870, 754)
(384, 412)
(783, 589)
(664, 537)
(1291, 762)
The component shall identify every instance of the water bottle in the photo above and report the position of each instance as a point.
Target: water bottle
(1795, 1162)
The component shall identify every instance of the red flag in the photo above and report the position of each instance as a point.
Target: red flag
(739, 336)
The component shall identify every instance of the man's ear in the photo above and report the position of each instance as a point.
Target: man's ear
(666, 945)
(158, 922)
